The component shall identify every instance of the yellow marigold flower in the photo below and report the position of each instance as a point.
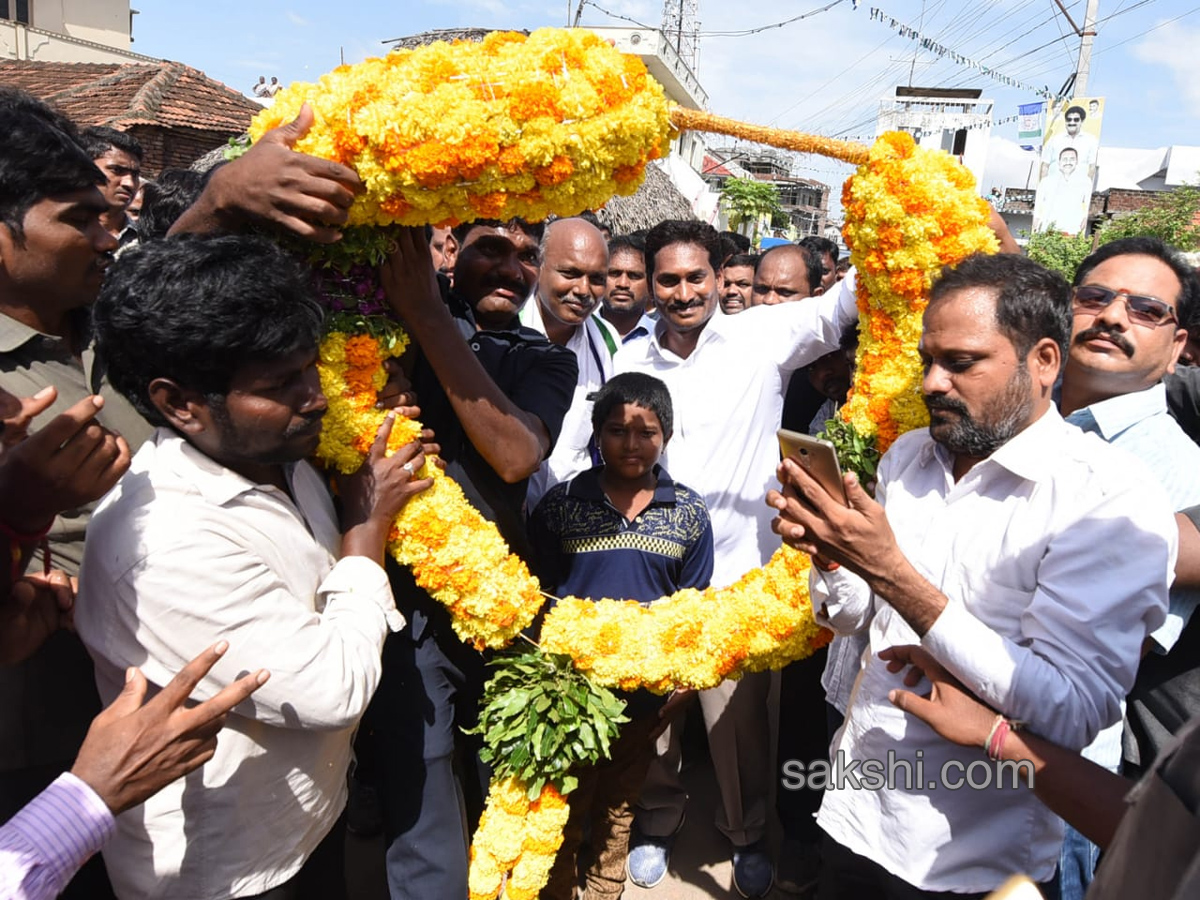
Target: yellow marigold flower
(693, 638)
(556, 122)
(909, 212)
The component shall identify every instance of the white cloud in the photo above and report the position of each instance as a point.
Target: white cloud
(1175, 48)
(296, 19)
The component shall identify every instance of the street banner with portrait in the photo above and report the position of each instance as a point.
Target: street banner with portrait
(1067, 171)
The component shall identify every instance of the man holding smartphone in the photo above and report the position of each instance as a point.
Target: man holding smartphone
(990, 546)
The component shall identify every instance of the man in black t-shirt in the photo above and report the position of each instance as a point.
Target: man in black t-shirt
(495, 394)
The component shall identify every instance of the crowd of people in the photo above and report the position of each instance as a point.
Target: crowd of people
(1016, 587)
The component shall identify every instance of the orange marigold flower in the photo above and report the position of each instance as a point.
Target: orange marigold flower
(488, 206)
(557, 172)
(395, 206)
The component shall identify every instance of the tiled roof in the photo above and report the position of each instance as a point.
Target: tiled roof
(714, 167)
(167, 94)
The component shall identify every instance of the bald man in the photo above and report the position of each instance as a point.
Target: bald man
(571, 283)
(785, 273)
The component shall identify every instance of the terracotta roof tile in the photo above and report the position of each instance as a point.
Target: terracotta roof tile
(167, 94)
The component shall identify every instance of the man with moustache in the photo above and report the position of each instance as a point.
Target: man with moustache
(495, 394)
(727, 376)
(737, 276)
(53, 255)
(572, 279)
(1073, 136)
(989, 544)
(623, 309)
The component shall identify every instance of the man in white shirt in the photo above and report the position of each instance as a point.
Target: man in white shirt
(221, 530)
(1063, 196)
(1029, 558)
(571, 282)
(727, 376)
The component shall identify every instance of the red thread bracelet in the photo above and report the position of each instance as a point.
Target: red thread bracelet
(826, 566)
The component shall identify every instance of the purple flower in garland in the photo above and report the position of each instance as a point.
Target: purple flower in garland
(356, 289)
(345, 275)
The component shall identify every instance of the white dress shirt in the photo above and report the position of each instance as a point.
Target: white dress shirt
(571, 453)
(1054, 555)
(183, 553)
(728, 398)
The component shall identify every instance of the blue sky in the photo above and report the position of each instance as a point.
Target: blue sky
(823, 74)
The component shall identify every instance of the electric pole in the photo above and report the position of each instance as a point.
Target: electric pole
(1086, 35)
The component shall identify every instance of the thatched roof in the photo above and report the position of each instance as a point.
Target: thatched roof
(444, 34)
(656, 200)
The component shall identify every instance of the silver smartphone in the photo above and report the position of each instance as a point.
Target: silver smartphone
(817, 458)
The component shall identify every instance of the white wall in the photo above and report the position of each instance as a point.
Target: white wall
(21, 42)
(99, 21)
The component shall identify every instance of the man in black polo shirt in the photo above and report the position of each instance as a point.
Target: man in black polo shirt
(495, 394)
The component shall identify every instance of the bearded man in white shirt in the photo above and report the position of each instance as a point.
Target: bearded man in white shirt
(1029, 558)
(221, 531)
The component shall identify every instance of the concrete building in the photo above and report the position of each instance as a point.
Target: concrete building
(805, 201)
(950, 119)
(68, 31)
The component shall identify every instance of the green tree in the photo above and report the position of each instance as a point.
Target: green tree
(1171, 217)
(748, 200)
(1059, 252)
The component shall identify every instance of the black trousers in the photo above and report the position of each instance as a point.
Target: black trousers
(323, 875)
(432, 783)
(847, 876)
(802, 736)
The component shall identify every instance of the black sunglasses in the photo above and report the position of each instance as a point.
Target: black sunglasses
(1143, 310)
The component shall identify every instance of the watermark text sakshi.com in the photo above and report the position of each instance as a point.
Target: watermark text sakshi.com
(903, 774)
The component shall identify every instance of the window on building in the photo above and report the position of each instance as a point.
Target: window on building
(15, 10)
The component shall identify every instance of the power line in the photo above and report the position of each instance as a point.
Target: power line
(1148, 30)
(704, 34)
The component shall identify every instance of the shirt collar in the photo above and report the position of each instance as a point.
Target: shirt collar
(216, 484)
(1117, 414)
(1025, 455)
(712, 332)
(586, 486)
(644, 328)
(14, 334)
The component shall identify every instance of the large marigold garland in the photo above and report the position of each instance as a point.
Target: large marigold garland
(691, 639)
(909, 212)
(560, 124)
(556, 122)
(455, 553)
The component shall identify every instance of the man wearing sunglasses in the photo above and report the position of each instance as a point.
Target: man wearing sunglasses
(1130, 301)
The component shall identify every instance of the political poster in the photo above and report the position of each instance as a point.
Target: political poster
(1067, 169)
